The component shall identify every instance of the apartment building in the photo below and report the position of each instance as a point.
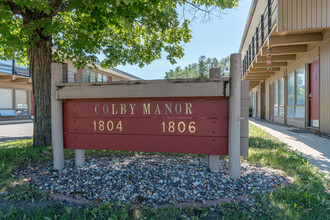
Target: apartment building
(16, 99)
(286, 57)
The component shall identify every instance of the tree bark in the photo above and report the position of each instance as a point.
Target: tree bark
(40, 57)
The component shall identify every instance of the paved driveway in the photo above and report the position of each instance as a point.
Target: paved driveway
(315, 148)
(17, 131)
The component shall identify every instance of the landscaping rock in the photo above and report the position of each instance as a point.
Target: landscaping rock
(151, 179)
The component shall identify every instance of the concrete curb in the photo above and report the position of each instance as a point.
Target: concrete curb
(16, 122)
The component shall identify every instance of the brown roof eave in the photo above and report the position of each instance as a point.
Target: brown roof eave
(248, 22)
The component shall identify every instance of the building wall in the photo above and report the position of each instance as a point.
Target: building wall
(303, 14)
(73, 70)
(13, 105)
(321, 52)
(18, 111)
(325, 87)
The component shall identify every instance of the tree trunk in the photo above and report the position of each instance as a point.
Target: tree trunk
(40, 57)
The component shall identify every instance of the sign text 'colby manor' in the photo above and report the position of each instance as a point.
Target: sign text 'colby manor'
(177, 125)
(147, 108)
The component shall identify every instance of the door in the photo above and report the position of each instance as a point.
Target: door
(314, 94)
(271, 104)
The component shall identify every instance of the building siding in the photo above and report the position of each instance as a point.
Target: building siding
(324, 87)
(303, 14)
(319, 51)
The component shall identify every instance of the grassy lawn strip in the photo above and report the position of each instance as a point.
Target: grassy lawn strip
(306, 198)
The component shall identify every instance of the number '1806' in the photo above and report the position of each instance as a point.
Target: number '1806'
(171, 127)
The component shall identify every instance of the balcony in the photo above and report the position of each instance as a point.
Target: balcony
(11, 73)
(277, 33)
(256, 47)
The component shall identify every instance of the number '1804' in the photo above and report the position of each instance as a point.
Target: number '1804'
(107, 126)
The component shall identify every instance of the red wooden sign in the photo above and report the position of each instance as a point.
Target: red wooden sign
(173, 125)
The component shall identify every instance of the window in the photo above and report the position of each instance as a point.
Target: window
(9, 97)
(254, 104)
(89, 75)
(92, 76)
(291, 89)
(300, 112)
(99, 77)
(300, 92)
(21, 100)
(296, 93)
(281, 97)
(275, 98)
(105, 78)
(6, 97)
(290, 112)
(291, 96)
(300, 89)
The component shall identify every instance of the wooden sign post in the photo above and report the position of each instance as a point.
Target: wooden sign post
(196, 116)
(235, 115)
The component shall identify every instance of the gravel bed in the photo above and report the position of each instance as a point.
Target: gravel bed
(154, 179)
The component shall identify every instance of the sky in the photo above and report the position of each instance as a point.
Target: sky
(218, 38)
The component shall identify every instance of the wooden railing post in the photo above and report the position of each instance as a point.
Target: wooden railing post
(269, 16)
(253, 49)
(262, 27)
(57, 118)
(243, 67)
(250, 55)
(234, 140)
(257, 39)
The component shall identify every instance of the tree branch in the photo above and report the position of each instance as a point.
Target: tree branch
(62, 7)
(195, 6)
(58, 6)
(15, 8)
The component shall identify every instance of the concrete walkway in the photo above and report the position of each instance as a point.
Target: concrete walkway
(17, 131)
(315, 148)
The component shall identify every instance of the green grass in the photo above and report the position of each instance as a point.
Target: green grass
(306, 198)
